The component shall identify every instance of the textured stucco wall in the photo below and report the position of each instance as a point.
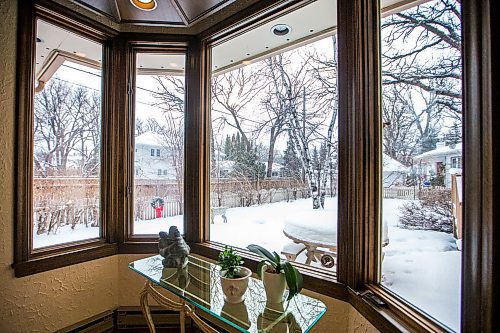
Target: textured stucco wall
(52, 300)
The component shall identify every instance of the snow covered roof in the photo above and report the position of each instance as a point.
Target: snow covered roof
(149, 139)
(278, 166)
(441, 151)
(226, 165)
(391, 165)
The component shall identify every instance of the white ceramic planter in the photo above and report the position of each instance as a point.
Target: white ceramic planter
(234, 289)
(274, 285)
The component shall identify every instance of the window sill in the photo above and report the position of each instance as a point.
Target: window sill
(63, 259)
(394, 317)
(314, 280)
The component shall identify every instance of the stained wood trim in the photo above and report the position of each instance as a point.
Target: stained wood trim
(481, 208)
(410, 316)
(250, 18)
(130, 47)
(24, 110)
(26, 259)
(72, 21)
(80, 255)
(196, 144)
(359, 141)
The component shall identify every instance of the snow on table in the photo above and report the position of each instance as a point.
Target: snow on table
(313, 227)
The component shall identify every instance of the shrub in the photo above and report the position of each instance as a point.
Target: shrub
(434, 211)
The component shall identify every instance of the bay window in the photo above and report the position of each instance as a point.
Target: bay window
(331, 135)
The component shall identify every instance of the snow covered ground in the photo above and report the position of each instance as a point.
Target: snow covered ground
(65, 235)
(421, 266)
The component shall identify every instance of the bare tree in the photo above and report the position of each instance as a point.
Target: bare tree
(422, 48)
(234, 93)
(294, 84)
(66, 122)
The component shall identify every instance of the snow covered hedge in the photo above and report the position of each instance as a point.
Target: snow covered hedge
(434, 211)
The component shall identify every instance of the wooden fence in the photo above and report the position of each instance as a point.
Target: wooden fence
(245, 199)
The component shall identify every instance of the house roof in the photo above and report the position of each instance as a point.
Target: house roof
(440, 151)
(149, 139)
(391, 165)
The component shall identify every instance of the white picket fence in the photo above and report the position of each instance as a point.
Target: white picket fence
(401, 192)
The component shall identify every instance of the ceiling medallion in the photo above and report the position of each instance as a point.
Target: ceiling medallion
(144, 4)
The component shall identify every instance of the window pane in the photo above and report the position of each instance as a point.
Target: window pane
(159, 143)
(67, 137)
(274, 138)
(422, 152)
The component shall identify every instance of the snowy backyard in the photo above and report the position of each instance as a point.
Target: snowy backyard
(422, 266)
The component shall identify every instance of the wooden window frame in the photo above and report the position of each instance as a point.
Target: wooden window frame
(130, 45)
(27, 260)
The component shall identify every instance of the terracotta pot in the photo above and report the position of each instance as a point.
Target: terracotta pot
(234, 289)
(274, 285)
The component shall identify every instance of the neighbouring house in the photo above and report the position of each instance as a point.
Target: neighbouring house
(394, 172)
(225, 167)
(443, 161)
(152, 158)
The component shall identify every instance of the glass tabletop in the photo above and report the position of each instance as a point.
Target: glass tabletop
(199, 284)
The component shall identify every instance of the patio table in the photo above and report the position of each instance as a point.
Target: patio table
(319, 239)
(195, 291)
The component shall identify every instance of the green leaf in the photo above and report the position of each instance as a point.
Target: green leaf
(260, 266)
(293, 279)
(278, 266)
(262, 252)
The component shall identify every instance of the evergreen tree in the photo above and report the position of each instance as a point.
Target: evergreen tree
(454, 135)
(291, 161)
(227, 147)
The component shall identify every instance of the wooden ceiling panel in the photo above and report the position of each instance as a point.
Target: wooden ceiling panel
(194, 10)
(104, 7)
(167, 12)
(164, 13)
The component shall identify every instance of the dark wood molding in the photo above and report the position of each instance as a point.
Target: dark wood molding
(404, 313)
(481, 209)
(196, 175)
(253, 16)
(382, 318)
(24, 109)
(359, 141)
(72, 21)
(26, 259)
(51, 262)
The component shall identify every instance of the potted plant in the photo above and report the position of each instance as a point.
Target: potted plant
(233, 276)
(157, 203)
(276, 273)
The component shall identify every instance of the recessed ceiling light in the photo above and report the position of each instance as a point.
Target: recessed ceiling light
(144, 4)
(281, 29)
(39, 40)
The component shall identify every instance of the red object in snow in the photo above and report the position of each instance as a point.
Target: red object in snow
(158, 211)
